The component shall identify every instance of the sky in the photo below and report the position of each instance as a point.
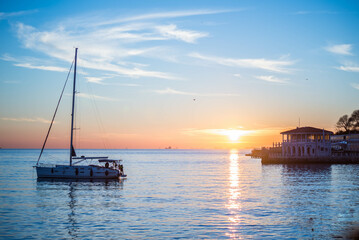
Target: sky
(185, 74)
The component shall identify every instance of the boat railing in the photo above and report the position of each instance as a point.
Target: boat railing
(47, 165)
(83, 157)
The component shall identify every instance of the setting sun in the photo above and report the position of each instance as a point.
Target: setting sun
(234, 134)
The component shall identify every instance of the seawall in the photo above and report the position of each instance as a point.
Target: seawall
(323, 160)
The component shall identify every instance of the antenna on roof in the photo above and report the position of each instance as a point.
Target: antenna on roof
(299, 121)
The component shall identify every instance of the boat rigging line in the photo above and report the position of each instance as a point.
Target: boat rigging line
(53, 118)
(97, 114)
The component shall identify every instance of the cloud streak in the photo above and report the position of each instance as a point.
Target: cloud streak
(239, 131)
(341, 49)
(349, 68)
(172, 32)
(163, 15)
(38, 120)
(6, 15)
(171, 91)
(25, 64)
(272, 79)
(88, 96)
(355, 85)
(223, 132)
(257, 63)
(314, 12)
(105, 48)
(46, 68)
(97, 80)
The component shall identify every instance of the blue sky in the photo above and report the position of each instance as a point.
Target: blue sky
(254, 67)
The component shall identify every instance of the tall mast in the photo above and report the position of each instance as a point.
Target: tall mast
(73, 108)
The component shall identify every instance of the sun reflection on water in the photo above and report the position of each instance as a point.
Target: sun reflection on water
(234, 194)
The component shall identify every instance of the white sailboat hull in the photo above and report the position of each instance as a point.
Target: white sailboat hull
(77, 172)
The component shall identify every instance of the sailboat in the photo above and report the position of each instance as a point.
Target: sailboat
(105, 168)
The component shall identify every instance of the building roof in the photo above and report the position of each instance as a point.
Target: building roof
(306, 130)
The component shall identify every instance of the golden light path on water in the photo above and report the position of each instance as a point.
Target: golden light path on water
(234, 194)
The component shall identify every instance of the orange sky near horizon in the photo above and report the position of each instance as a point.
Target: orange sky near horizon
(31, 135)
(157, 127)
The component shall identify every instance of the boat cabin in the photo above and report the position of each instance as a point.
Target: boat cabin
(111, 163)
(104, 162)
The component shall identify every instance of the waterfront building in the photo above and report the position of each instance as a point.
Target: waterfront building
(305, 142)
(309, 145)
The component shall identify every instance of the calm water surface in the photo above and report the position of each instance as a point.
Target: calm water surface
(173, 194)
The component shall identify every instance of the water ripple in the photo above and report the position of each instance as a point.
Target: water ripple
(180, 194)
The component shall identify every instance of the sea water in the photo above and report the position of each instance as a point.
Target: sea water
(178, 194)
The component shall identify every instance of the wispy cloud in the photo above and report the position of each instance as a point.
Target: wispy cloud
(7, 57)
(130, 84)
(259, 63)
(233, 134)
(222, 131)
(314, 12)
(97, 80)
(5, 15)
(11, 82)
(85, 95)
(272, 79)
(39, 120)
(240, 131)
(171, 91)
(237, 75)
(108, 54)
(355, 85)
(47, 68)
(25, 63)
(163, 15)
(131, 72)
(100, 80)
(342, 49)
(109, 43)
(172, 32)
(349, 67)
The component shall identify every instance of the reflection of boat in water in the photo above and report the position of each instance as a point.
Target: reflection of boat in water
(105, 169)
(72, 201)
(81, 180)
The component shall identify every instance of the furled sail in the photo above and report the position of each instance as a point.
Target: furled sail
(73, 153)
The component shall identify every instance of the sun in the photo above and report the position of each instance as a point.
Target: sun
(233, 136)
